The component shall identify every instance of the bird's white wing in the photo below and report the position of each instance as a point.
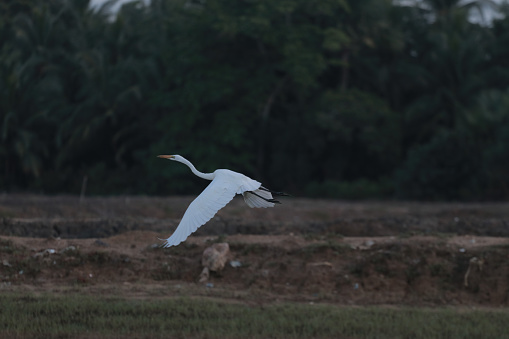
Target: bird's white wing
(217, 194)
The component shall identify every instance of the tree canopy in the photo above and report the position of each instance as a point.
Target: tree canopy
(332, 98)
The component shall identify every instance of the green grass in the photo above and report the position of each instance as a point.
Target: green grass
(89, 316)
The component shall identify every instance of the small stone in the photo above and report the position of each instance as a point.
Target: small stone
(235, 263)
(369, 243)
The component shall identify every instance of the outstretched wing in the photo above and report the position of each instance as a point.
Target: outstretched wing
(215, 196)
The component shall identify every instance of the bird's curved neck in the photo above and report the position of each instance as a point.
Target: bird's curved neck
(208, 176)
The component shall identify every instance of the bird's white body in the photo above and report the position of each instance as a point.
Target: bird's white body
(223, 188)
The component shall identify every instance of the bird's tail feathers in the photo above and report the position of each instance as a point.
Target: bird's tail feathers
(281, 194)
(259, 198)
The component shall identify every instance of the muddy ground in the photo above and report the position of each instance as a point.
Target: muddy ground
(303, 250)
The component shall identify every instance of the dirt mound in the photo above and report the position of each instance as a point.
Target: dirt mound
(313, 251)
(421, 270)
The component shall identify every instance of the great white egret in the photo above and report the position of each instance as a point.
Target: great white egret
(224, 186)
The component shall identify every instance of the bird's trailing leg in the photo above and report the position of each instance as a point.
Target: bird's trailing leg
(282, 194)
(268, 200)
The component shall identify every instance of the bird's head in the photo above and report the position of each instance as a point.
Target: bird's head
(169, 157)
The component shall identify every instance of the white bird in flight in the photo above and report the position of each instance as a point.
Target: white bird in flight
(224, 186)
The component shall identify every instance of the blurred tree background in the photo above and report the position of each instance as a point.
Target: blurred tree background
(345, 99)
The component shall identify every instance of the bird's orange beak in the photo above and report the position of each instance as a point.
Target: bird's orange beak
(166, 156)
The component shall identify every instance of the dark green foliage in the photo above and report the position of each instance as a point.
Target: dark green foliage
(357, 189)
(338, 98)
(441, 169)
(358, 128)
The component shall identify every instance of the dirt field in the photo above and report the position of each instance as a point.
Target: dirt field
(303, 250)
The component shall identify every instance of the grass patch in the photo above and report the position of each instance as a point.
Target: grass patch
(8, 247)
(7, 214)
(499, 247)
(90, 316)
(322, 237)
(439, 235)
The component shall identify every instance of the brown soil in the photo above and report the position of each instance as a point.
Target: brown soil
(303, 250)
